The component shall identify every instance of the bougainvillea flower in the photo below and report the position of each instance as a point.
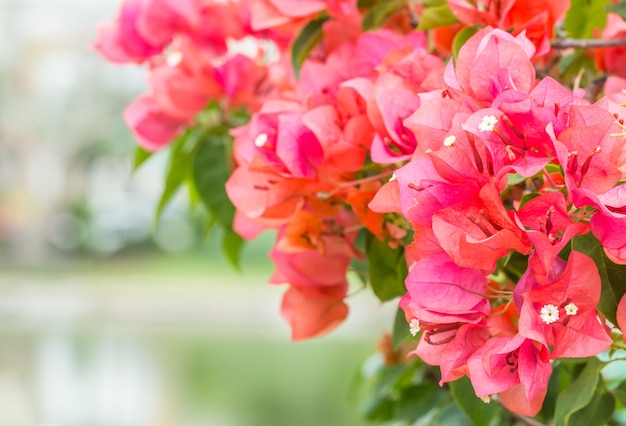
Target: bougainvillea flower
(451, 357)
(152, 127)
(507, 146)
(393, 142)
(588, 150)
(537, 18)
(439, 292)
(615, 89)
(562, 314)
(265, 195)
(608, 223)
(550, 229)
(516, 368)
(478, 232)
(493, 61)
(313, 312)
(310, 268)
(121, 41)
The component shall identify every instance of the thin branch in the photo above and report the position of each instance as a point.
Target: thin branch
(566, 43)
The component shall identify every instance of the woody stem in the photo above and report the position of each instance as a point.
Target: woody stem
(565, 43)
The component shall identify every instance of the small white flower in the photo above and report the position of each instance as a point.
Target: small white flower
(414, 326)
(488, 123)
(261, 140)
(486, 399)
(571, 309)
(549, 314)
(449, 141)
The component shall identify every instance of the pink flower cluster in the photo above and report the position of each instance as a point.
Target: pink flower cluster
(476, 161)
(185, 45)
(488, 127)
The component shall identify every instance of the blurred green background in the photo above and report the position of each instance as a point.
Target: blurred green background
(105, 320)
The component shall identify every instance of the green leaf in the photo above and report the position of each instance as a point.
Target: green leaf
(231, 245)
(461, 37)
(619, 8)
(613, 276)
(620, 393)
(309, 37)
(417, 401)
(579, 394)
(597, 412)
(378, 14)
(400, 331)
(211, 170)
(141, 155)
(387, 268)
(480, 413)
(585, 17)
(178, 167)
(437, 16)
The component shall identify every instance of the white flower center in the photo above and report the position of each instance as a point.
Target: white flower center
(414, 327)
(449, 141)
(571, 309)
(549, 314)
(261, 140)
(488, 123)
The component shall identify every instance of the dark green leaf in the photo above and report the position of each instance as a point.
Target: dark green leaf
(437, 16)
(461, 37)
(400, 329)
(378, 14)
(309, 37)
(365, 4)
(585, 17)
(211, 170)
(480, 413)
(449, 415)
(231, 245)
(619, 8)
(416, 401)
(613, 276)
(141, 155)
(579, 394)
(597, 412)
(387, 269)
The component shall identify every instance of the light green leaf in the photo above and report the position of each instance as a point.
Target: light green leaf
(378, 14)
(309, 37)
(436, 16)
(579, 394)
(585, 17)
(141, 155)
(461, 37)
(400, 331)
(480, 413)
(387, 269)
(613, 276)
(181, 154)
(597, 412)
